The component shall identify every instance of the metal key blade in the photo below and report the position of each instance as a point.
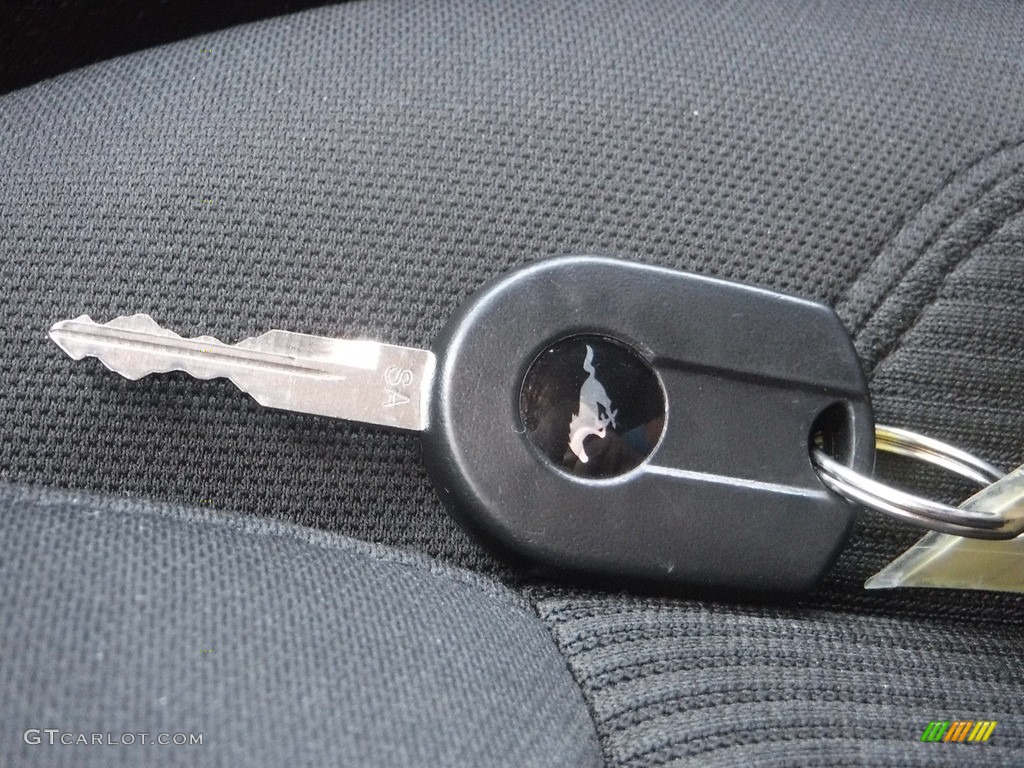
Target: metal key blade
(362, 381)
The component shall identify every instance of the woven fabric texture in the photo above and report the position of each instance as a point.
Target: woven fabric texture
(678, 683)
(358, 170)
(277, 645)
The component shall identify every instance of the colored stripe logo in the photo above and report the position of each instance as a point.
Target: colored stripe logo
(958, 730)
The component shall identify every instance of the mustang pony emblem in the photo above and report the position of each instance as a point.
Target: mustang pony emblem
(595, 412)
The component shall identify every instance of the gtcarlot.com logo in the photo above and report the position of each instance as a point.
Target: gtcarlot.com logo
(55, 736)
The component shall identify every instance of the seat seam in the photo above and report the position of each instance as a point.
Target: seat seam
(936, 294)
(911, 216)
(267, 529)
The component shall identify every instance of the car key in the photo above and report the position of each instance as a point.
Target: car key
(590, 416)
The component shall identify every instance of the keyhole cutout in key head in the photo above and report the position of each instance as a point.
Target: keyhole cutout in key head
(592, 406)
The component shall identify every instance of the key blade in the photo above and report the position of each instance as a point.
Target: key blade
(137, 346)
(362, 381)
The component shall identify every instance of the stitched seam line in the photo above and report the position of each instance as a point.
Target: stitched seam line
(951, 179)
(937, 293)
(268, 528)
(602, 738)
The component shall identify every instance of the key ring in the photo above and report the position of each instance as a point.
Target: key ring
(915, 509)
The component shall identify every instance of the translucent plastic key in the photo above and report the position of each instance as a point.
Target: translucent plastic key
(942, 560)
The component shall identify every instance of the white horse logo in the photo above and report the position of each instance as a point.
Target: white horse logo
(595, 412)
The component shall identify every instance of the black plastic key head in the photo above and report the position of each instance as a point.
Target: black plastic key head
(638, 424)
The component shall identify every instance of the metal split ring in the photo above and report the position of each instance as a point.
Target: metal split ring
(914, 509)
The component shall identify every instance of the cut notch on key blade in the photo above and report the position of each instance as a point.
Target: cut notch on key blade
(362, 381)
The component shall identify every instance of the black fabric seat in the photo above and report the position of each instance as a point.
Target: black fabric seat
(270, 644)
(357, 170)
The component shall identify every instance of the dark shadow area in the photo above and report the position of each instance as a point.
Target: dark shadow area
(42, 39)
